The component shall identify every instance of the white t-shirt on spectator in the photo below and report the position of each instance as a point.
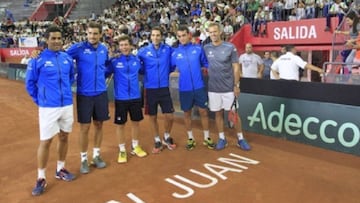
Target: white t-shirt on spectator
(240, 19)
(249, 64)
(287, 66)
(228, 30)
(290, 4)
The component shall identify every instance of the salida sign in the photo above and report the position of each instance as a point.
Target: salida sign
(14, 55)
(298, 32)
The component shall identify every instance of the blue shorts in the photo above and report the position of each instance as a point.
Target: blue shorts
(92, 107)
(190, 98)
(160, 96)
(122, 108)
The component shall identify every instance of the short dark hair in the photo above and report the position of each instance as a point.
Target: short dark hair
(183, 28)
(158, 29)
(50, 29)
(93, 24)
(289, 47)
(124, 38)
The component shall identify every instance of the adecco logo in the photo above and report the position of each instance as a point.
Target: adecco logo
(293, 124)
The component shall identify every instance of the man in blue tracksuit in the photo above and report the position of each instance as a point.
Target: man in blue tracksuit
(156, 68)
(189, 59)
(127, 94)
(48, 82)
(92, 101)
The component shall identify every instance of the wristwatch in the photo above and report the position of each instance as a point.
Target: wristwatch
(237, 85)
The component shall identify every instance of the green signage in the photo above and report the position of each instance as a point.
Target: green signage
(327, 125)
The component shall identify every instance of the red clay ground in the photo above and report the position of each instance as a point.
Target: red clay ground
(287, 172)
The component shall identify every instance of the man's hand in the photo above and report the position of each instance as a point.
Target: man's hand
(236, 91)
(35, 53)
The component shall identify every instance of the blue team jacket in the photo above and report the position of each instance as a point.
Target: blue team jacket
(156, 65)
(91, 66)
(49, 78)
(126, 77)
(189, 59)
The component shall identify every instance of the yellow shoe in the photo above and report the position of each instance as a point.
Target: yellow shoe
(122, 158)
(138, 152)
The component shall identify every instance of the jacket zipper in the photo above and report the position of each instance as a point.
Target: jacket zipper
(187, 59)
(96, 67)
(60, 82)
(128, 74)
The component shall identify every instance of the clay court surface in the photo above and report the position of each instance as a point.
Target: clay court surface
(279, 171)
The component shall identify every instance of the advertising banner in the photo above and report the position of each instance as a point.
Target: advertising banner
(28, 42)
(322, 124)
(14, 55)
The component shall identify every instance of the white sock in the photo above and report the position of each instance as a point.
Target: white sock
(190, 135)
(166, 135)
(157, 138)
(60, 165)
(122, 147)
(135, 143)
(206, 135)
(83, 156)
(240, 136)
(222, 135)
(41, 173)
(96, 152)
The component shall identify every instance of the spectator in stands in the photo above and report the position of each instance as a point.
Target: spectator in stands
(195, 39)
(170, 39)
(3, 40)
(310, 8)
(191, 85)
(239, 20)
(228, 30)
(25, 60)
(278, 10)
(259, 23)
(144, 41)
(252, 8)
(286, 67)
(192, 26)
(289, 7)
(251, 64)
(338, 9)
(56, 107)
(127, 95)
(352, 20)
(319, 8)
(300, 10)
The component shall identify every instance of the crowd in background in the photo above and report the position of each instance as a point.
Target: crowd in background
(135, 18)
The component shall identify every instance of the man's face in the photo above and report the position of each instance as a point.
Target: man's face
(156, 37)
(267, 54)
(93, 35)
(248, 48)
(183, 36)
(214, 33)
(125, 47)
(54, 41)
(283, 50)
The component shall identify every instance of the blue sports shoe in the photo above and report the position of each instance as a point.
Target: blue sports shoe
(222, 143)
(243, 144)
(39, 187)
(63, 174)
